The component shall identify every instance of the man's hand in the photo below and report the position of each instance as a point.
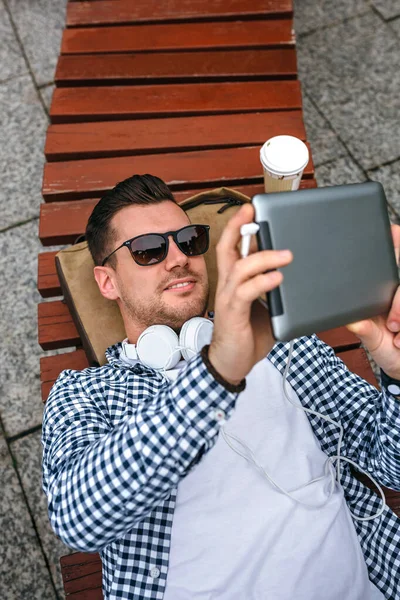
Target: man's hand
(381, 335)
(242, 329)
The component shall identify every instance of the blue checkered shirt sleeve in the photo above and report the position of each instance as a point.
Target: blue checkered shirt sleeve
(371, 419)
(100, 478)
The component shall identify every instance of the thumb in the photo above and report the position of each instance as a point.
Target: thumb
(368, 332)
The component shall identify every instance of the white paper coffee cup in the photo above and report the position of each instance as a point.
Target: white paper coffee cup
(283, 159)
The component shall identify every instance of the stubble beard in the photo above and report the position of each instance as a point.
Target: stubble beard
(157, 312)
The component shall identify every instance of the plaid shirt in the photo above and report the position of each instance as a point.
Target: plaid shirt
(118, 439)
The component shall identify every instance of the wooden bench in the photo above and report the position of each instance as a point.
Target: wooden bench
(185, 90)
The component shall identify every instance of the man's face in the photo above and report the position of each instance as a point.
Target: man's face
(146, 295)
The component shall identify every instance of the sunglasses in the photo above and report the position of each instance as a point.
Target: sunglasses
(152, 248)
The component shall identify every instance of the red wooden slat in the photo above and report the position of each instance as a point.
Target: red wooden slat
(55, 326)
(193, 36)
(51, 367)
(61, 225)
(89, 582)
(130, 102)
(56, 329)
(103, 12)
(88, 594)
(169, 67)
(122, 138)
(48, 283)
(181, 170)
(340, 339)
(78, 559)
(63, 222)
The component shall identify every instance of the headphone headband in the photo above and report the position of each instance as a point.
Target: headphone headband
(159, 347)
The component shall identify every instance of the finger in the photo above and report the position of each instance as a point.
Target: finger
(226, 249)
(253, 245)
(249, 292)
(396, 241)
(393, 320)
(257, 264)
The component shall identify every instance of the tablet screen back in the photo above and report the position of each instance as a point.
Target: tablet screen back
(344, 267)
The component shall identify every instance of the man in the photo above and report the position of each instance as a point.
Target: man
(144, 469)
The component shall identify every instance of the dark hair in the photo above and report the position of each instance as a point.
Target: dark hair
(136, 190)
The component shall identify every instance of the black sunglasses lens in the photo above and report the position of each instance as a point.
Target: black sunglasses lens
(193, 240)
(148, 249)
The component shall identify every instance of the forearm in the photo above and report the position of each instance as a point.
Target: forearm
(99, 490)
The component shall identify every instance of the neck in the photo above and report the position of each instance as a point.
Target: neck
(133, 330)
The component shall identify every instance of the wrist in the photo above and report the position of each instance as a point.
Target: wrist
(232, 385)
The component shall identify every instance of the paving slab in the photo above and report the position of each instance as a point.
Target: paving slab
(351, 73)
(27, 452)
(310, 15)
(339, 172)
(370, 127)
(325, 144)
(23, 572)
(389, 177)
(40, 25)
(20, 398)
(395, 25)
(12, 62)
(21, 404)
(23, 123)
(387, 8)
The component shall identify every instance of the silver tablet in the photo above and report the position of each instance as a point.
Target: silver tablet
(344, 266)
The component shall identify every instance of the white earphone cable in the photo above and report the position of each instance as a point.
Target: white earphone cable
(328, 467)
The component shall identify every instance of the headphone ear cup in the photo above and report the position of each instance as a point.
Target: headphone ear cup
(195, 334)
(157, 347)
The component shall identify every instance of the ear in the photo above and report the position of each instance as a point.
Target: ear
(105, 278)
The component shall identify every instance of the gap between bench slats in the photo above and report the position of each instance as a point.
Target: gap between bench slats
(168, 67)
(122, 138)
(105, 12)
(147, 101)
(180, 171)
(167, 38)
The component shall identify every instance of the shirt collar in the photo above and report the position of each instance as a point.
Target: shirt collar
(115, 358)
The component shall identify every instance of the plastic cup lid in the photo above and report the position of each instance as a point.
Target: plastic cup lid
(284, 155)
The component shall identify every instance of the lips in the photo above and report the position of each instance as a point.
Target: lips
(181, 284)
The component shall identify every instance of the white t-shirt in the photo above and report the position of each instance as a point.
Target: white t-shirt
(235, 537)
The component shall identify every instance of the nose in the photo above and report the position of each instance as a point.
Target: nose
(175, 256)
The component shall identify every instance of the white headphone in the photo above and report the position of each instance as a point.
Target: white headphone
(159, 347)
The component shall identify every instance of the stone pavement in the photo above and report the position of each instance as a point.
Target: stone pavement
(348, 56)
